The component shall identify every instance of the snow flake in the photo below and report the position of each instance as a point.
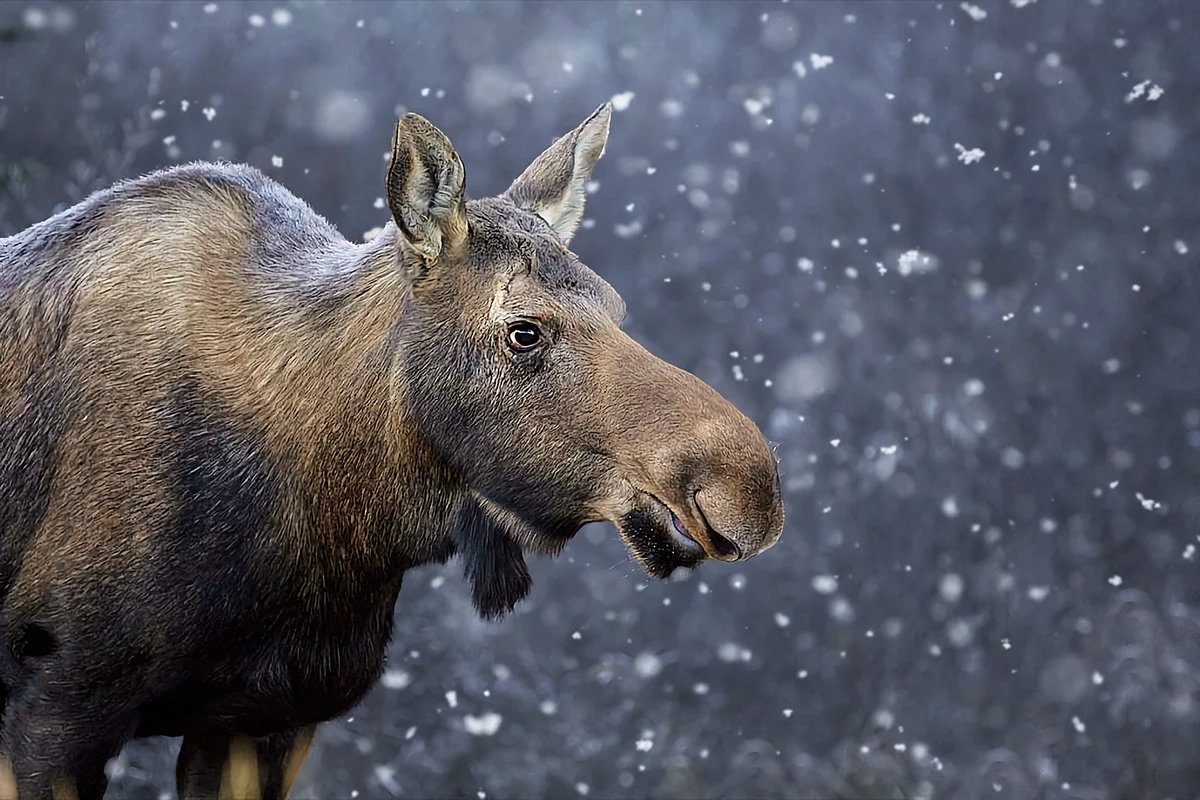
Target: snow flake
(951, 587)
(644, 745)
(395, 679)
(974, 12)
(647, 665)
(950, 507)
(921, 119)
(1147, 503)
(621, 101)
(968, 156)
(819, 61)
(484, 725)
(916, 261)
(825, 584)
(1152, 91)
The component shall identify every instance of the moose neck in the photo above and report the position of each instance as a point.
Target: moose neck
(377, 498)
(394, 501)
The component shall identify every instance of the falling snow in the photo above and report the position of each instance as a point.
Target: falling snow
(951, 249)
(968, 156)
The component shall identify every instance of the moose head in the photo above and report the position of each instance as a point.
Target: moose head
(517, 374)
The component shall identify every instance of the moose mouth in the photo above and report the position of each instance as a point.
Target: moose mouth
(658, 540)
(677, 527)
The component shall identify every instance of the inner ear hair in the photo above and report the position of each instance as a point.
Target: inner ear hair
(426, 186)
(493, 562)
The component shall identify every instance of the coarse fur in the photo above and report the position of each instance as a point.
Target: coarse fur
(226, 432)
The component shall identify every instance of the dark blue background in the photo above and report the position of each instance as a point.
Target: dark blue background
(990, 447)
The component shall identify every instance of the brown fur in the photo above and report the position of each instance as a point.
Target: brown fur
(226, 432)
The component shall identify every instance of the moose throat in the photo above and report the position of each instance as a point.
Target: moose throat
(226, 432)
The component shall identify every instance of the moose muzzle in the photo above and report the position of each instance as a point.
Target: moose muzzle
(698, 458)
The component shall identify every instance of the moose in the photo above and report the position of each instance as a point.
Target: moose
(226, 432)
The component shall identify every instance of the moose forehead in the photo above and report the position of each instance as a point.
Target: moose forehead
(533, 264)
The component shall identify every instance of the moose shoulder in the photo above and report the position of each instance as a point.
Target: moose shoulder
(226, 432)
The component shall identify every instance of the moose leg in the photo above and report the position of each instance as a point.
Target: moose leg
(56, 745)
(222, 764)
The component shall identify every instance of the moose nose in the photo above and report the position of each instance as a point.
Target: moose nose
(727, 549)
(743, 512)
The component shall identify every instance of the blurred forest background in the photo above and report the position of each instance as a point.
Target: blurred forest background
(945, 253)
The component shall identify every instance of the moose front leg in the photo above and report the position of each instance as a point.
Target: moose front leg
(56, 741)
(222, 764)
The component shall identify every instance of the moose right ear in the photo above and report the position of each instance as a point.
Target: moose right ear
(553, 185)
(426, 188)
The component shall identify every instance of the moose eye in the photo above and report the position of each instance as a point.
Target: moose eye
(524, 336)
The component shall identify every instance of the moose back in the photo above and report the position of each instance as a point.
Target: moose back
(226, 432)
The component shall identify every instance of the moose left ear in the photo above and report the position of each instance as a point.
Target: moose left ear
(552, 186)
(426, 186)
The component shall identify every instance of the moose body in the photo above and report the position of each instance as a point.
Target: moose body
(226, 432)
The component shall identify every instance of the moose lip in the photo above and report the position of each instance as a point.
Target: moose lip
(678, 528)
(678, 532)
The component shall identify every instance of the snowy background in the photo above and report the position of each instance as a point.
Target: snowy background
(944, 253)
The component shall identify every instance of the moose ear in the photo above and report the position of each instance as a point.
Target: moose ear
(552, 186)
(426, 186)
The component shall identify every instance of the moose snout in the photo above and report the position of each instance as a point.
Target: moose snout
(732, 503)
(707, 463)
(741, 512)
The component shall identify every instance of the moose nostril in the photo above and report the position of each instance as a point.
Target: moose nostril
(724, 547)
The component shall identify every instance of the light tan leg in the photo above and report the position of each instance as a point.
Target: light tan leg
(219, 765)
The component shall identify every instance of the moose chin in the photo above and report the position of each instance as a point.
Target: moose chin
(226, 432)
